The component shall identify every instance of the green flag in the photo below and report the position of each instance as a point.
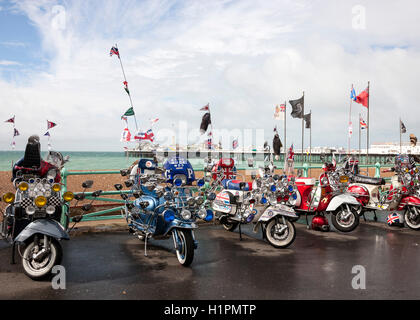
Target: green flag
(129, 112)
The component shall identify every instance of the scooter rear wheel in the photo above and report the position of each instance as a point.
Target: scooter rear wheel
(230, 226)
(412, 218)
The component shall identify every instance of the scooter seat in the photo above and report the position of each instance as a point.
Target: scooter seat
(237, 185)
(369, 180)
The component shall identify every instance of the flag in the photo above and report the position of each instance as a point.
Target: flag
(209, 140)
(129, 112)
(307, 118)
(402, 127)
(47, 134)
(297, 107)
(13, 144)
(15, 132)
(114, 50)
(291, 154)
(363, 124)
(126, 87)
(235, 143)
(50, 125)
(280, 112)
(205, 121)
(352, 94)
(126, 135)
(277, 144)
(11, 120)
(148, 135)
(205, 108)
(124, 118)
(363, 98)
(153, 121)
(350, 129)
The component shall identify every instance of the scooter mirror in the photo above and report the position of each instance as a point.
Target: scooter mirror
(123, 172)
(86, 207)
(79, 196)
(87, 184)
(137, 193)
(211, 196)
(118, 186)
(66, 159)
(129, 183)
(276, 177)
(124, 196)
(96, 193)
(77, 218)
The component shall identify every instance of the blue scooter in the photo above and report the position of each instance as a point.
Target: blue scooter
(165, 204)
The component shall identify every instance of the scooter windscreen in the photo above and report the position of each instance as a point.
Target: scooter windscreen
(179, 168)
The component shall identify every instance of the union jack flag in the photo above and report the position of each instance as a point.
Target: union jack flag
(291, 154)
(235, 143)
(393, 217)
(16, 133)
(114, 50)
(148, 135)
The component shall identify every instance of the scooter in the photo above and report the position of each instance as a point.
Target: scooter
(329, 196)
(165, 205)
(402, 196)
(236, 205)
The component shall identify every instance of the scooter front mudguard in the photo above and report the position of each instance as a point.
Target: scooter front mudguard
(178, 224)
(279, 209)
(42, 226)
(340, 199)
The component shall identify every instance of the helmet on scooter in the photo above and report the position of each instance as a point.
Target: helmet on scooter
(395, 219)
(320, 223)
(179, 168)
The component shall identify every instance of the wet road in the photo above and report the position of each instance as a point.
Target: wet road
(317, 266)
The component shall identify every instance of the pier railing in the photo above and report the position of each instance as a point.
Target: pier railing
(105, 214)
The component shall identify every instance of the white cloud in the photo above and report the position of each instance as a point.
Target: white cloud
(8, 63)
(241, 56)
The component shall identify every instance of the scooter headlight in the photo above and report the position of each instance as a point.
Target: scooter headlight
(186, 214)
(273, 188)
(68, 196)
(40, 201)
(202, 213)
(290, 188)
(263, 200)
(30, 210)
(169, 215)
(8, 197)
(50, 209)
(23, 186)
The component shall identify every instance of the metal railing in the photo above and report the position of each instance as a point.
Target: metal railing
(103, 214)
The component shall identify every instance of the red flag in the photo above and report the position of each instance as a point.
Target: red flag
(205, 108)
(363, 97)
(11, 120)
(50, 124)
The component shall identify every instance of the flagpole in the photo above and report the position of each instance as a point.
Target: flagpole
(349, 137)
(400, 136)
(303, 113)
(285, 145)
(368, 125)
(360, 132)
(125, 79)
(310, 142)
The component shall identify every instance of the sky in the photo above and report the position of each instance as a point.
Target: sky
(242, 57)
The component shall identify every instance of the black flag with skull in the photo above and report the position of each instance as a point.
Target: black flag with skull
(297, 107)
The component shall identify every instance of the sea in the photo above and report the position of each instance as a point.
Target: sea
(78, 160)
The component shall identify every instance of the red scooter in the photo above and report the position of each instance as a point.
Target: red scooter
(328, 196)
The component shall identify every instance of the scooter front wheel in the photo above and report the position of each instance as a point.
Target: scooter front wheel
(185, 250)
(412, 218)
(346, 218)
(280, 235)
(38, 268)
